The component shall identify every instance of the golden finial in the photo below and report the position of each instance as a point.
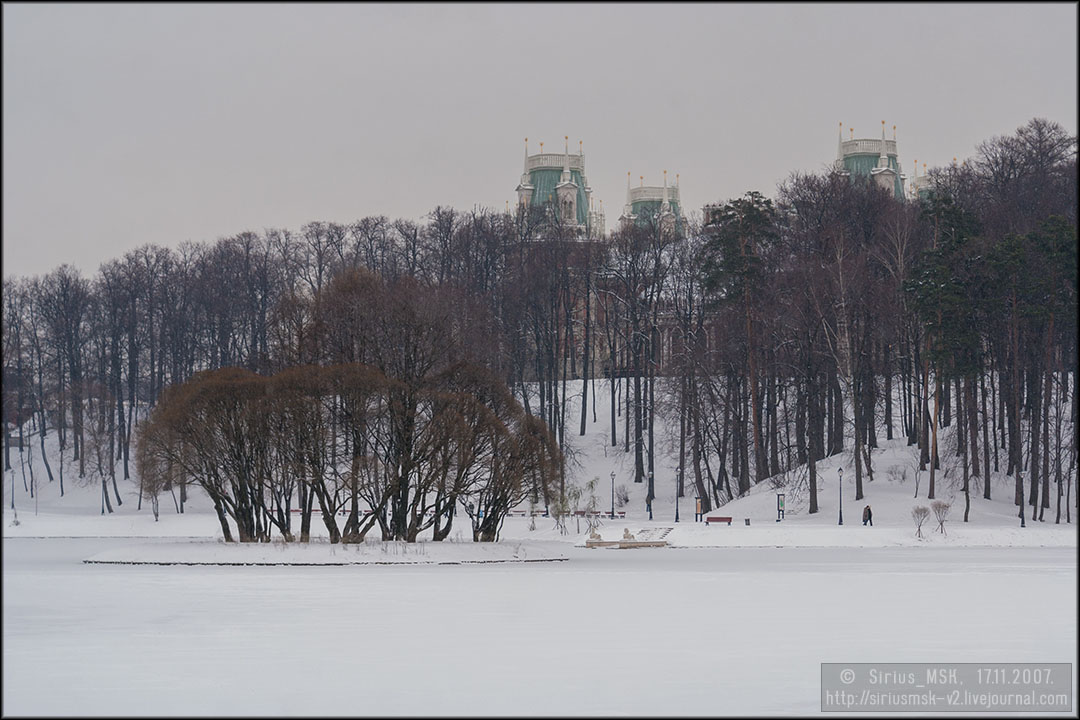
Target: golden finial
(541, 147)
(894, 132)
(642, 180)
(852, 133)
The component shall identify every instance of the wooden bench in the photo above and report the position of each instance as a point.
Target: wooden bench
(712, 519)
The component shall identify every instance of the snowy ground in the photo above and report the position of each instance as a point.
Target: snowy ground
(728, 620)
(639, 632)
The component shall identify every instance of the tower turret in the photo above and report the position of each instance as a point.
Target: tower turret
(667, 217)
(525, 187)
(584, 180)
(875, 159)
(884, 174)
(628, 209)
(566, 191)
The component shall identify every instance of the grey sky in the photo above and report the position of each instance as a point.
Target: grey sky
(133, 124)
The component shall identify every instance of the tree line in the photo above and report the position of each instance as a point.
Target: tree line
(397, 432)
(771, 333)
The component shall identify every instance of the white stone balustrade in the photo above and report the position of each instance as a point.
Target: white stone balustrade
(650, 192)
(865, 146)
(556, 160)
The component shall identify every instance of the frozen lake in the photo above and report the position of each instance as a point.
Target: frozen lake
(609, 632)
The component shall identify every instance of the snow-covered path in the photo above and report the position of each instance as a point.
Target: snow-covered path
(643, 632)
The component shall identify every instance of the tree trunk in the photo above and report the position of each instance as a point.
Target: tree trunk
(612, 391)
(924, 416)
(1034, 390)
(814, 427)
(857, 413)
(801, 392)
(682, 434)
(774, 431)
(986, 442)
(933, 443)
(888, 392)
(585, 358)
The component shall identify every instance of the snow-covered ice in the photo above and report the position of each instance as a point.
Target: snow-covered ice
(641, 632)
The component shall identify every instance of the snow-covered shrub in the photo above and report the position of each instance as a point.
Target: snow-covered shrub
(941, 511)
(919, 513)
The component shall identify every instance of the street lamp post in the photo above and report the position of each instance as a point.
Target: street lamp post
(612, 494)
(840, 492)
(678, 484)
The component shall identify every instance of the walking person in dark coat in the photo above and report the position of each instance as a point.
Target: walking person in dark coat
(868, 516)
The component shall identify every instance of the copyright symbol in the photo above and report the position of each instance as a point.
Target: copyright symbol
(847, 676)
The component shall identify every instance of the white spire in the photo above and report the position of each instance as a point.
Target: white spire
(896, 149)
(883, 159)
(566, 162)
(840, 147)
(628, 208)
(665, 205)
(885, 176)
(525, 188)
(525, 168)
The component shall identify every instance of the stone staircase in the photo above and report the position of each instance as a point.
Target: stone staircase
(652, 533)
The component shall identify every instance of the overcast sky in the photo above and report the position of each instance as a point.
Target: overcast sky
(133, 124)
